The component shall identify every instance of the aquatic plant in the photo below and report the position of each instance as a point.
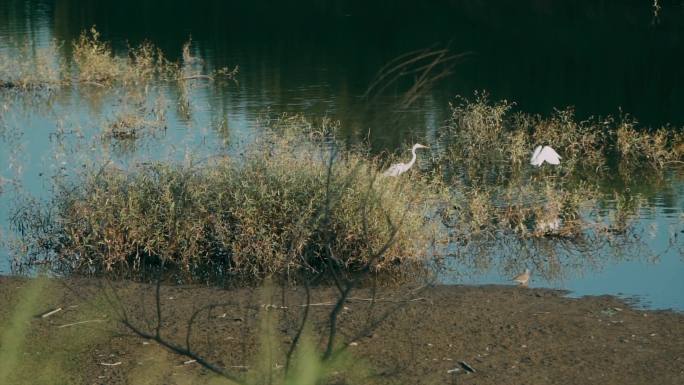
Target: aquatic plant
(571, 212)
(490, 141)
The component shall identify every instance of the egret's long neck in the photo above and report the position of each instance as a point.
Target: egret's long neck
(413, 158)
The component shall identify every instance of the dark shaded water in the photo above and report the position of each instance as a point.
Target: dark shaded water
(598, 56)
(603, 57)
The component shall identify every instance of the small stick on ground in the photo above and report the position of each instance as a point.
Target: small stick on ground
(51, 312)
(110, 364)
(317, 304)
(81, 322)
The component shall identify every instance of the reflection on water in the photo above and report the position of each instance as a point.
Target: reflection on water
(320, 58)
(646, 264)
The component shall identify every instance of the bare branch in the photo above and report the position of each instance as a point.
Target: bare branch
(158, 301)
(302, 325)
(424, 62)
(191, 77)
(184, 352)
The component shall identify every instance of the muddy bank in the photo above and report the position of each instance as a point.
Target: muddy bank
(508, 335)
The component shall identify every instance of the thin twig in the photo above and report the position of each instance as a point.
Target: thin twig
(421, 62)
(386, 72)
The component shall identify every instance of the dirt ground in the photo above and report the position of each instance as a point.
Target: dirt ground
(407, 335)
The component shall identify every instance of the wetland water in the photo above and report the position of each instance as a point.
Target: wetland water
(317, 59)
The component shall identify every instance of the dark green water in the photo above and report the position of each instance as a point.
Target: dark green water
(318, 58)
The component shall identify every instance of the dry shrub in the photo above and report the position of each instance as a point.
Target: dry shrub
(95, 60)
(471, 132)
(281, 209)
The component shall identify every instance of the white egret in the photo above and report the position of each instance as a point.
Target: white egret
(400, 168)
(523, 278)
(544, 154)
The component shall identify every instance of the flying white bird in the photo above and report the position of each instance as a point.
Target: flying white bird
(544, 154)
(400, 168)
(523, 278)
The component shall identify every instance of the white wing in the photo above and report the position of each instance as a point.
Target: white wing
(395, 170)
(548, 155)
(534, 161)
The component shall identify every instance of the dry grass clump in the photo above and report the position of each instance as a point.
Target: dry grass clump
(282, 209)
(96, 63)
(31, 68)
(95, 60)
(480, 122)
(129, 126)
(655, 148)
(471, 133)
(138, 116)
